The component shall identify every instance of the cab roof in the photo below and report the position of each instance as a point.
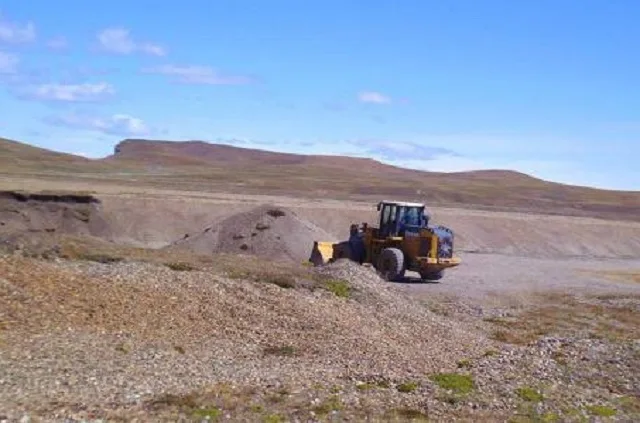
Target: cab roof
(401, 203)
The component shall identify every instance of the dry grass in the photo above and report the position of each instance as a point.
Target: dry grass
(272, 405)
(611, 317)
(632, 276)
(204, 404)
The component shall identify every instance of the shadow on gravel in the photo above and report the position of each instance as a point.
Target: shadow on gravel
(415, 280)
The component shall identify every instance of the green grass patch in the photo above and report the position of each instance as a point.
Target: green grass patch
(365, 386)
(339, 287)
(530, 414)
(465, 363)
(408, 387)
(458, 383)
(529, 394)
(180, 266)
(101, 258)
(601, 410)
(550, 417)
(282, 350)
(123, 347)
(211, 413)
(333, 403)
(256, 408)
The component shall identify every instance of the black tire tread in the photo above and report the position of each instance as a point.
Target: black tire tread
(398, 267)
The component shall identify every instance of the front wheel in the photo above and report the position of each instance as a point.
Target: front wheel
(391, 264)
(432, 276)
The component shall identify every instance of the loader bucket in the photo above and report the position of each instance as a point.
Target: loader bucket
(322, 252)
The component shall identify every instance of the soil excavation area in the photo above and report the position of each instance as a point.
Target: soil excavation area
(165, 306)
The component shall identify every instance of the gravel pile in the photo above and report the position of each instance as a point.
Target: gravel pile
(118, 334)
(266, 231)
(83, 340)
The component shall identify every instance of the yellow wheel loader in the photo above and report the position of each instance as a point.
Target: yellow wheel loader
(403, 240)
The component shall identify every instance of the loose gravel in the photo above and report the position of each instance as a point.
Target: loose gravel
(85, 341)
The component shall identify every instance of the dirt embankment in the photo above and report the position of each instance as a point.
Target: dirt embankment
(74, 214)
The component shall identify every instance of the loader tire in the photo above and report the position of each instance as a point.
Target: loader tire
(391, 264)
(432, 276)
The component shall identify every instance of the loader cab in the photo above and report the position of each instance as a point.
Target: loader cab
(400, 218)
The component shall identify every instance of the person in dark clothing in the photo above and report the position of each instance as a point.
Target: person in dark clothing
(357, 244)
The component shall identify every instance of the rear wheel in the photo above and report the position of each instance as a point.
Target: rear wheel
(432, 276)
(391, 264)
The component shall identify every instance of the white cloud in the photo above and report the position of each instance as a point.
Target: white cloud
(152, 49)
(71, 92)
(57, 43)
(118, 40)
(8, 63)
(199, 75)
(373, 97)
(14, 33)
(398, 150)
(117, 124)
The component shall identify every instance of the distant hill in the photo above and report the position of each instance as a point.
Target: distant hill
(20, 158)
(199, 153)
(202, 166)
(15, 154)
(171, 153)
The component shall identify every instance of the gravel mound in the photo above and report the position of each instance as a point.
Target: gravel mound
(82, 341)
(269, 232)
(134, 331)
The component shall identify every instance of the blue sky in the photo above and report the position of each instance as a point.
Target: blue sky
(550, 88)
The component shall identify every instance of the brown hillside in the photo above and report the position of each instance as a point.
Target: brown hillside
(15, 154)
(171, 153)
(200, 166)
(259, 171)
(20, 158)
